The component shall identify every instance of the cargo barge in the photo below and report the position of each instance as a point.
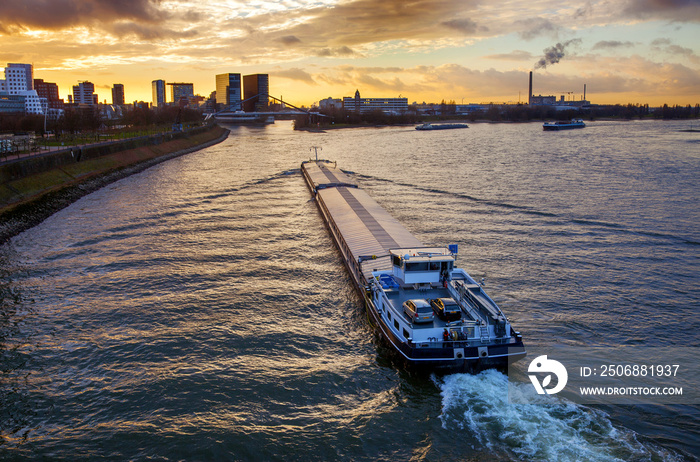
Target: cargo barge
(434, 314)
(556, 126)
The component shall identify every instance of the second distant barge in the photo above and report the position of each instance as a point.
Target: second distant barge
(433, 313)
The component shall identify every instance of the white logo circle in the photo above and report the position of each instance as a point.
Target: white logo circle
(549, 366)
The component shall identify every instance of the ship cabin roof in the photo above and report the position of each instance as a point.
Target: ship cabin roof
(419, 266)
(424, 254)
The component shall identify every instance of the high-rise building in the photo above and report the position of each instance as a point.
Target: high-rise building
(49, 91)
(256, 89)
(228, 91)
(19, 81)
(118, 94)
(158, 87)
(19, 77)
(84, 93)
(181, 91)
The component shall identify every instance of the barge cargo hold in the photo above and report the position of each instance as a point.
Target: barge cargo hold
(398, 278)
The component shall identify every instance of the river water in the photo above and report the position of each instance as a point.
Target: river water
(199, 310)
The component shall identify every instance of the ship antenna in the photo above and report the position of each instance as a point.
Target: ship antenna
(316, 148)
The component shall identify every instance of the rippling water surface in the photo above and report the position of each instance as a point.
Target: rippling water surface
(199, 311)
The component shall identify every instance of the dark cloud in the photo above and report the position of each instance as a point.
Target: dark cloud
(58, 14)
(288, 40)
(148, 32)
(612, 44)
(295, 74)
(465, 26)
(395, 84)
(531, 28)
(553, 55)
(672, 10)
(665, 45)
(362, 21)
(584, 11)
(660, 41)
(341, 30)
(340, 51)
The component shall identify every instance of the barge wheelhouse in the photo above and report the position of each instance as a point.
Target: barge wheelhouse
(392, 269)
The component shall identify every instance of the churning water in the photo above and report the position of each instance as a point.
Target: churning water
(199, 311)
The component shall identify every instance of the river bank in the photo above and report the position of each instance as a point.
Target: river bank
(28, 199)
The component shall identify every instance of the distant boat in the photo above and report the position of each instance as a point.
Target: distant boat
(244, 118)
(428, 126)
(575, 123)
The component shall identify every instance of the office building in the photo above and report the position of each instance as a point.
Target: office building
(48, 91)
(118, 94)
(256, 89)
(14, 104)
(158, 88)
(330, 104)
(365, 105)
(18, 77)
(181, 92)
(19, 81)
(228, 91)
(84, 93)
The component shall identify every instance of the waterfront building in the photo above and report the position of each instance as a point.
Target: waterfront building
(19, 81)
(542, 100)
(14, 104)
(84, 93)
(48, 91)
(366, 105)
(181, 92)
(18, 77)
(256, 88)
(118, 94)
(228, 91)
(330, 104)
(158, 88)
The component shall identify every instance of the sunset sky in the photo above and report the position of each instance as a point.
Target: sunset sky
(625, 51)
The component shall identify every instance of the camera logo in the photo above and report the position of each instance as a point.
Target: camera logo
(549, 366)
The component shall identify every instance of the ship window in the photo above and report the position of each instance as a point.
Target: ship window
(419, 266)
(396, 260)
(434, 266)
(405, 333)
(396, 323)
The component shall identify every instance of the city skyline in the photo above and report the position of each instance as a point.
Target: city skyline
(643, 51)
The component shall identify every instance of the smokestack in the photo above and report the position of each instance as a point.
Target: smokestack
(529, 97)
(584, 92)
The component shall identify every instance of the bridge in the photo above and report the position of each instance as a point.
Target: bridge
(229, 114)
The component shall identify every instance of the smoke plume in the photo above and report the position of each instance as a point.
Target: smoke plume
(553, 55)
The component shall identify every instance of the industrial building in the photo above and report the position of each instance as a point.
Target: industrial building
(366, 105)
(551, 100)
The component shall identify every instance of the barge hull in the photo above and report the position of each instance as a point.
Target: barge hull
(364, 233)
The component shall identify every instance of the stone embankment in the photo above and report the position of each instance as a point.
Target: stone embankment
(32, 189)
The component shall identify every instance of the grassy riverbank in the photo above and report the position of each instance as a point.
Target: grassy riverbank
(27, 200)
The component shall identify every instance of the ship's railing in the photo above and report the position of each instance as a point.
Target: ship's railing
(458, 343)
